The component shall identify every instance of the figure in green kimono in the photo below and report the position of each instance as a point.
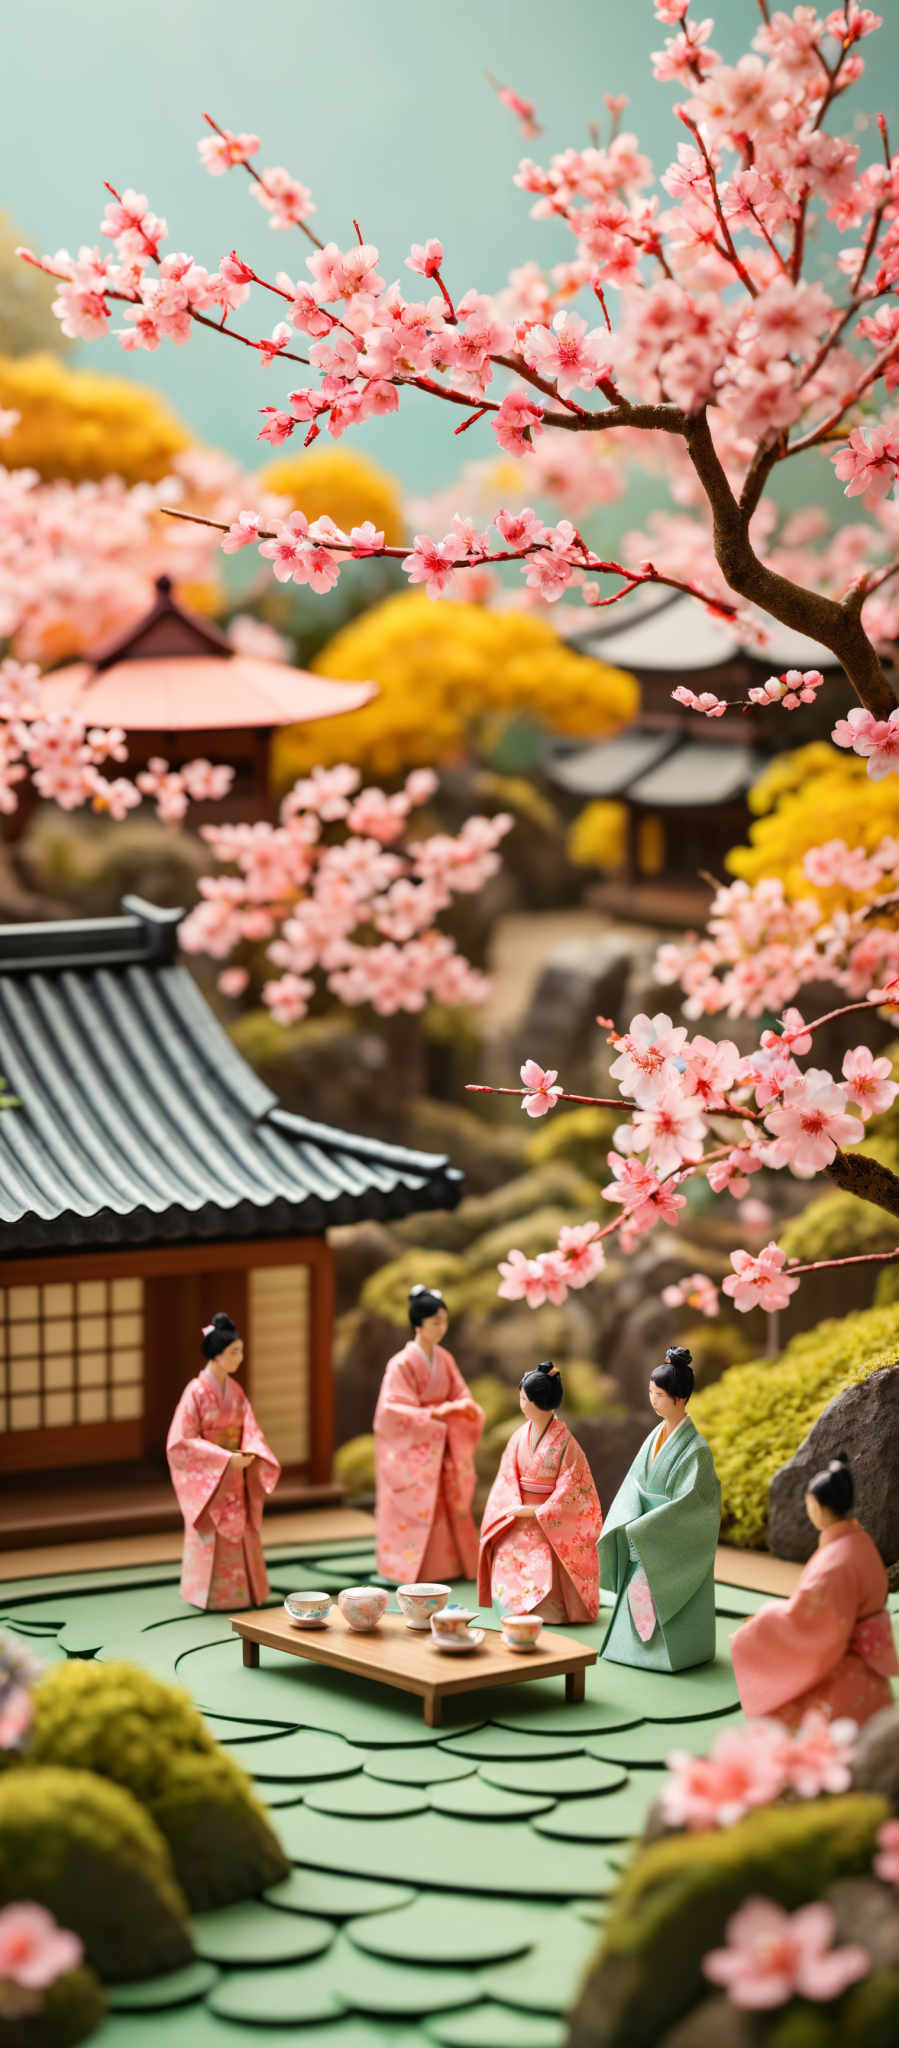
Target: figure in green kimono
(657, 1549)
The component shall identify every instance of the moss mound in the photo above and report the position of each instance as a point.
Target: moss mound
(70, 2010)
(148, 1738)
(86, 1851)
(387, 1293)
(758, 1414)
(835, 1226)
(581, 1136)
(354, 1465)
(674, 1901)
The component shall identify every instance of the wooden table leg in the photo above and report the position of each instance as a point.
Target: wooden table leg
(575, 1685)
(250, 1654)
(433, 1710)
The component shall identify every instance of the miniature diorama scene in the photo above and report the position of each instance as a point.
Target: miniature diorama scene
(449, 1026)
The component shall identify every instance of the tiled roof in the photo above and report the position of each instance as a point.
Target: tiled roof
(138, 1120)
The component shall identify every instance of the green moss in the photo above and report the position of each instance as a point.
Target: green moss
(869, 2013)
(582, 1136)
(758, 1414)
(354, 1465)
(835, 1226)
(88, 1852)
(148, 1738)
(803, 2026)
(887, 1289)
(587, 1390)
(70, 2010)
(530, 1233)
(676, 1897)
(714, 1347)
(498, 1399)
(386, 1293)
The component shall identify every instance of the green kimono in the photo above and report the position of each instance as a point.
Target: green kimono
(663, 1523)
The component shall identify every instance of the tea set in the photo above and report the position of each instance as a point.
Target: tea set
(425, 1607)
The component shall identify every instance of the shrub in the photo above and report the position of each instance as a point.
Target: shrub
(582, 1137)
(444, 670)
(835, 1226)
(758, 1414)
(148, 1738)
(676, 1897)
(354, 1465)
(387, 1293)
(797, 791)
(346, 485)
(70, 2009)
(87, 1851)
(498, 1399)
(85, 424)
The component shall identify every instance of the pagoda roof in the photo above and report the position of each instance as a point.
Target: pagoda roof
(175, 672)
(139, 1122)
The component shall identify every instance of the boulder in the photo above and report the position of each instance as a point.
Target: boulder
(863, 1421)
(611, 1443)
(582, 979)
(875, 1761)
(484, 1152)
(712, 2024)
(867, 1912)
(363, 1344)
(361, 1249)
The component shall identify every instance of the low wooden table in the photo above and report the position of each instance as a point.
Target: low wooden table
(393, 1654)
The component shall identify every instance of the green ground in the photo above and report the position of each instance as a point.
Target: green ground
(447, 1884)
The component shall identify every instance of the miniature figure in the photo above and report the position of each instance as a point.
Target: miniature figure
(542, 1518)
(831, 1644)
(222, 1469)
(657, 1550)
(427, 1429)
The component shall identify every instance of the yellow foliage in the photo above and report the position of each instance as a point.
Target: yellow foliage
(443, 668)
(804, 799)
(598, 839)
(349, 487)
(81, 424)
(27, 320)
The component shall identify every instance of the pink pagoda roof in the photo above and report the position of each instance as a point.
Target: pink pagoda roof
(173, 672)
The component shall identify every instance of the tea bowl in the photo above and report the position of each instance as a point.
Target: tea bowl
(420, 1601)
(363, 1607)
(520, 1631)
(452, 1621)
(310, 1610)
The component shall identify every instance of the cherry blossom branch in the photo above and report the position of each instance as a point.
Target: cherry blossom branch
(245, 165)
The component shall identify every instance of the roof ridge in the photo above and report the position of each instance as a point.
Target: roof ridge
(142, 934)
(368, 1148)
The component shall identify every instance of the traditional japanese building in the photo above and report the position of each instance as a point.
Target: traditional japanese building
(684, 779)
(148, 1178)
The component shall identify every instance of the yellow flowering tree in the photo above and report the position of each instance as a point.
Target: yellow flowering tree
(451, 677)
(347, 486)
(80, 424)
(814, 794)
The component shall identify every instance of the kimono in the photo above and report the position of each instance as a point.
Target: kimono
(547, 1563)
(657, 1555)
(424, 1465)
(830, 1645)
(223, 1564)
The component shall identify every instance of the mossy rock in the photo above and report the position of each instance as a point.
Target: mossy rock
(93, 863)
(530, 1233)
(587, 1390)
(583, 1137)
(836, 1226)
(88, 1852)
(148, 1738)
(758, 1414)
(676, 1897)
(486, 1153)
(354, 1465)
(556, 1185)
(71, 2008)
(387, 1293)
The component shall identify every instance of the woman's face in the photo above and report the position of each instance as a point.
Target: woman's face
(667, 1409)
(434, 1327)
(232, 1359)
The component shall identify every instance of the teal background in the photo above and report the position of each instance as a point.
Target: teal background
(382, 108)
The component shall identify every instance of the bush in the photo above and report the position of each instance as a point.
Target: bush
(676, 1897)
(70, 2009)
(85, 424)
(582, 1137)
(87, 1851)
(354, 1465)
(498, 1399)
(758, 1414)
(343, 484)
(148, 1738)
(835, 1226)
(387, 1293)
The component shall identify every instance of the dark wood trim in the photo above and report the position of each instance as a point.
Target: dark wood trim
(142, 1262)
(82, 1443)
(321, 1368)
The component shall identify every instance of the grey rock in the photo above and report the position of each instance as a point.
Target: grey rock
(875, 1763)
(363, 1345)
(715, 2023)
(582, 979)
(611, 1443)
(359, 1250)
(867, 1912)
(863, 1422)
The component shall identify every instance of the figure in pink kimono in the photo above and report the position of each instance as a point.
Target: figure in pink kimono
(427, 1429)
(831, 1644)
(542, 1520)
(222, 1469)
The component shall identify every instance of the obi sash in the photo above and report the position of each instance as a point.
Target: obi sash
(536, 1489)
(872, 1640)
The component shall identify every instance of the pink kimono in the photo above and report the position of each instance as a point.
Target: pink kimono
(425, 1469)
(830, 1645)
(223, 1563)
(548, 1562)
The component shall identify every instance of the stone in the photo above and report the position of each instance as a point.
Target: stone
(711, 2024)
(486, 1154)
(875, 1762)
(360, 1249)
(363, 1344)
(582, 979)
(611, 1443)
(867, 1912)
(864, 1422)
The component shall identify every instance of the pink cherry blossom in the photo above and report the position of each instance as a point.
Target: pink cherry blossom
(565, 353)
(543, 1094)
(220, 152)
(233, 981)
(759, 1282)
(648, 1050)
(16, 1711)
(818, 1758)
(772, 1955)
(533, 1280)
(876, 739)
(810, 1124)
(697, 1291)
(426, 258)
(743, 1770)
(34, 1951)
(645, 1199)
(886, 1862)
(582, 1254)
(869, 1082)
(431, 563)
(707, 703)
(669, 1128)
(517, 423)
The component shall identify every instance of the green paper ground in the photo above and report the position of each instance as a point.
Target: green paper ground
(448, 1884)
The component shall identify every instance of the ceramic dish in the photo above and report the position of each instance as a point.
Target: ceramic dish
(315, 1609)
(519, 1648)
(471, 1640)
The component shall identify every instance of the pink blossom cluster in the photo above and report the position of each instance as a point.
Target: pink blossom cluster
(697, 1291)
(753, 1764)
(760, 947)
(576, 1260)
(875, 739)
(64, 755)
(358, 903)
(771, 1956)
(34, 1952)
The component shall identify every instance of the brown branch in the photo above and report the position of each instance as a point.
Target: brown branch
(858, 1174)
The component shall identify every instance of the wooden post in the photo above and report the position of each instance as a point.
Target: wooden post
(575, 1684)
(321, 1368)
(250, 1654)
(433, 1710)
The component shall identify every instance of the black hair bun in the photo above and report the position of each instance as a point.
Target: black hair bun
(221, 1321)
(833, 1487)
(546, 1365)
(543, 1385)
(839, 1459)
(219, 1335)
(679, 1355)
